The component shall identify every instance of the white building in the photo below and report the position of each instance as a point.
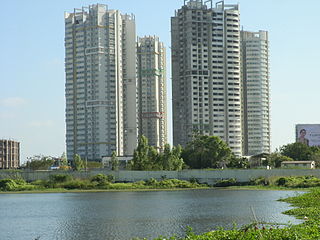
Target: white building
(255, 92)
(206, 72)
(101, 86)
(152, 90)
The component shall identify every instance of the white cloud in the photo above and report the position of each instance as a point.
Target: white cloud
(13, 102)
(44, 123)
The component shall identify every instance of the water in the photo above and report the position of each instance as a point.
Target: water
(124, 215)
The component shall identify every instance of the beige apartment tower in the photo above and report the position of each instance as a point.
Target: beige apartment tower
(255, 92)
(101, 83)
(152, 90)
(9, 154)
(206, 72)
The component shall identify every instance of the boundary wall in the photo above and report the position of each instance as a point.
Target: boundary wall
(204, 176)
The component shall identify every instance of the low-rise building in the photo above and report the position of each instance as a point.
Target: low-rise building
(9, 154)
(299, 164)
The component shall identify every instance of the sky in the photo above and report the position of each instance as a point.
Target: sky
(32, 78)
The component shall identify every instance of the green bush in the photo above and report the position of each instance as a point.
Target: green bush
(151, 182)
(226, 182)
(60, 178)
(260, 181)
(77, 184)
(14, 185)
(102, 179)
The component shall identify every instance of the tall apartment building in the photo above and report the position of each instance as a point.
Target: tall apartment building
(255, 92)
(9, 154)
(152, 90)
(206, 72)
(101, 86)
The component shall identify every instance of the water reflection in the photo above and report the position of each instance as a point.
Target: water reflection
(124, 215)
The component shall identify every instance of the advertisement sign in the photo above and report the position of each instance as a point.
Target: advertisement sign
(308, 134)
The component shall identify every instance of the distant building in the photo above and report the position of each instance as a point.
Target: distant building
(152, 90)
(9, 154)
(206, 94)
(101, 84)
(255, 92)
(298, 164)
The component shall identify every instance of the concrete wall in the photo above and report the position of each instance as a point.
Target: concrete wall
(202, 175)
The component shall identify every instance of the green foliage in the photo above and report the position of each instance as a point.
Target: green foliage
(77, 184)
(102, 179)
(297, 151)
(60, 178)
(141, 160)
(114, 161)
(226, 182)
(260, 181)
(147, 158)
(275, 159)
(78, 163)
(236, 162)
(298, 182)
(170, 159)
(42, 164)
(64, 161)
(14, 185)
(207, 152)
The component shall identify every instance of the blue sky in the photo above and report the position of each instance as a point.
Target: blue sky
(32, 63)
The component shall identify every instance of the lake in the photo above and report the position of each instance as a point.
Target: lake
(125, 215)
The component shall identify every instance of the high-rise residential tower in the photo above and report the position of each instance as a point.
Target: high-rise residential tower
(255, 92)
(9, 154)
(152, 90)
(206, 72)
(101, 86)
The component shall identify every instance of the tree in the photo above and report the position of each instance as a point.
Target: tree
(43, 164)
(275, 159)
(236, 162)
(315, 155)
(147, 158)
(141, 155)
(297, 151)
(206, 152)
(78, 163)
(170, 159)
(114, 161)
(64, 161)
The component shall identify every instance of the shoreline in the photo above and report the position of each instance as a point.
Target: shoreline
(63, 190)
(59, 190)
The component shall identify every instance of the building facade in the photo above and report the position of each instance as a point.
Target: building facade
(255, 92)
(9, 154)
(101, 82)
(206, 72)
(152, 90)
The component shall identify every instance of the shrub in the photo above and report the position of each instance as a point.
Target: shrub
(14, 185)
(151, 182)
(281, 181)
(194, 180)
(77, 184)
(102, 179)
(260, 181)
(226, 182)
(60, 178)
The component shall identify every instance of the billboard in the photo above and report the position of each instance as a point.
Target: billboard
(308, 134)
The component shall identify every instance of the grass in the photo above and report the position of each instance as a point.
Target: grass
(98, 183)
